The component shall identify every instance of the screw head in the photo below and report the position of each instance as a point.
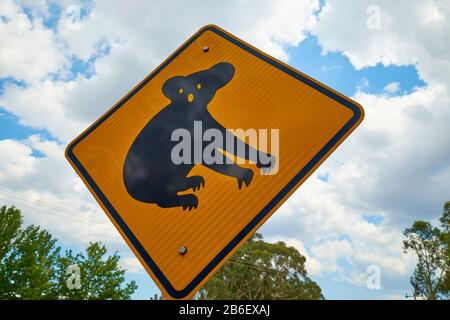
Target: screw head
(205, 49)
(182, 250)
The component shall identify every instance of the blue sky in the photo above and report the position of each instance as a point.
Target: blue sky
(335, 70)
(365, 194)
(332, 69)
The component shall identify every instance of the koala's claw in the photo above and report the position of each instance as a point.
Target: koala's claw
(189, 201)
(196, 182)
(246, 176)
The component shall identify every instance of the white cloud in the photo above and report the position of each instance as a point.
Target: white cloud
(313, 266)
(392, 87)
(138, 37)
(29, 50)
(152, 31)
(330, 251)
(127, 42)
(42, 106)
(363, 85)
(396, 165)
(16, 159)
(411, 32)
(48, 192)
(131, 264)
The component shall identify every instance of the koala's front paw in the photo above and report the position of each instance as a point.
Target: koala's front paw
(246, 176)
(189, 201)
(196, 182)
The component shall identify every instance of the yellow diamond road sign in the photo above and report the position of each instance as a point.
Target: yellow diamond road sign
(193, 160)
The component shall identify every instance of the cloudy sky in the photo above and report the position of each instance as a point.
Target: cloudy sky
(64, 63)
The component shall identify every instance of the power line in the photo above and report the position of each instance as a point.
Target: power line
(70, 218)
(58, 215)
(101, 223)
(44, 203)
(334, 282)
(49, 206)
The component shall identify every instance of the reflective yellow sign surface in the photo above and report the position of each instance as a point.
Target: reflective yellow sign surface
(184, 219)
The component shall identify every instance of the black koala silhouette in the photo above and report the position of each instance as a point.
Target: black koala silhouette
(149, 173)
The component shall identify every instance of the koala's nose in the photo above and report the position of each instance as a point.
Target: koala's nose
(190, 97)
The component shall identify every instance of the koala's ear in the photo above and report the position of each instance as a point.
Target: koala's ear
(171, 86)
(222, 72)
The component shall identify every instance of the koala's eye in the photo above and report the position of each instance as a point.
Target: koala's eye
(180, 91)
(199, 86)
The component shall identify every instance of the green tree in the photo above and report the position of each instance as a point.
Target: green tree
(445, 224)
(101, 276)
(32, 266)
(261, 270)
(431, 278)
(27, 270)
(10, 223)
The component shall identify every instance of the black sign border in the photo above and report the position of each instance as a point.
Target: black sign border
(347, 128)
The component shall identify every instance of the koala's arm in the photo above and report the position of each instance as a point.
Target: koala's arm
(237, 147)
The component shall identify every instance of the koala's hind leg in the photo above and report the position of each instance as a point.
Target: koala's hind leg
(186, 201)
(233, 170)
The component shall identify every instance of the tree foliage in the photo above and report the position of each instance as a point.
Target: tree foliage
(102, 277)
(26, 265)
(261, 270)
(10, 223)
(32, 266)
(431, 245)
